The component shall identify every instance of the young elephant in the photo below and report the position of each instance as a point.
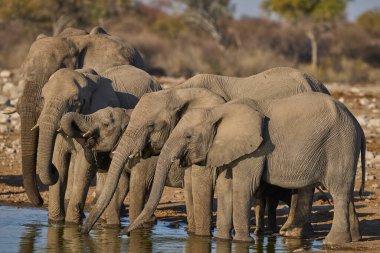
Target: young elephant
(305, 140)
(100, 132)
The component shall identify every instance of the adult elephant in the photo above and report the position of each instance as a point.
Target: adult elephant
(157, 113)
(295, 142)
(83, 91)
(73, 48)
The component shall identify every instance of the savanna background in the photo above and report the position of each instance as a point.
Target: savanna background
(336, 40)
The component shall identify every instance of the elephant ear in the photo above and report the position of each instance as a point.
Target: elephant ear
(70, 31)
(98, 30)
(103, 94)
(41, 36)
(87, 70)
(239, 130)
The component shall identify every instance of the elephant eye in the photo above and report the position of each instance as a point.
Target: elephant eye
(188, 137)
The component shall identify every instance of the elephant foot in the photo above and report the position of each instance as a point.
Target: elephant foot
(190, 230)
(355, 235)
(259, 231)
(204, 232)
(245, 238)
(299, 232)
(73, 223)
(59, 221)
(337, 238)
(223, 234)
(113, 226)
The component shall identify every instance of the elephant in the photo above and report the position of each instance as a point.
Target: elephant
(74, 49)
(305, 140)
(83, 91)
(101, 131)
(157, 113)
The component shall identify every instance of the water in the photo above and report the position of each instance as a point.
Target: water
(27, 230)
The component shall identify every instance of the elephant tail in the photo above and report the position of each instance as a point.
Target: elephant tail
(362, 151)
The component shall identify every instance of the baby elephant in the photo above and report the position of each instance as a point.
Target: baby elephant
(268, 197)
(100, 132)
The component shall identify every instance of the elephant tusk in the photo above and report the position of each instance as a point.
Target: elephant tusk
(59, 130)
(35, 127)
(9, 110)
(87, 134)
(131, 156)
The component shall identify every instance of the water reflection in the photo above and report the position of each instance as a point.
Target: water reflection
(26, 230)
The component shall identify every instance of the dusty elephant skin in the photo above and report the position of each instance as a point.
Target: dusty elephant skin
(84, 91)
(156, 114)
(304, 140)
(73, 48)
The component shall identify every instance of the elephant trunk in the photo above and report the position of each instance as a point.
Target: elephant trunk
(171, 151)
(48, 126)
(75, 124)
(128, 146)
(28, 117)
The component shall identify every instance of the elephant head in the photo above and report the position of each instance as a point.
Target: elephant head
(73, 48)
(101, 130)
(68, 90)
(211, 137)
(151, 122)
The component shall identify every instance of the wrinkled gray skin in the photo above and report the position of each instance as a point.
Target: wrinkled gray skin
(73, 48)
(302, 141)
(102, 131)
(267, 197)
(84, 91)
(156, 114)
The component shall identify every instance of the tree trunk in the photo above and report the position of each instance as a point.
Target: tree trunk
(314, 48)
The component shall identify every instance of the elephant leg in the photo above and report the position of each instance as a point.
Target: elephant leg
(138, 191)
(292, 211)
(354, 223)
(84, 172)
(300, 226)
(272, 203)
(101, 177)
(260, 204)
(189, 201)
(224, 214)
(61, 160)
(113, 209)
(202, 188)
(340, 230)
(70, 179)
(242, 196)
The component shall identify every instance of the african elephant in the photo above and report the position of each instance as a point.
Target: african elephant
(83, 91)
(73, 48)
(157, 113)
(305, 140)
(101, 131)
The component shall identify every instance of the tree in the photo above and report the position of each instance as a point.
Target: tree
(211, 16)
(315, 17)
(370, 21)
(60, 13)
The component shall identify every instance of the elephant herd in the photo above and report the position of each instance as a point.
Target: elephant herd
(89, 109)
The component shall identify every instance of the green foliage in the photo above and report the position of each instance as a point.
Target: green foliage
(168, 26)
(81, 12)
(317, 10)
(370, 21)
(215, 8)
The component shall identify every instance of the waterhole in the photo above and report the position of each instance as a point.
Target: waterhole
(27, 230)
